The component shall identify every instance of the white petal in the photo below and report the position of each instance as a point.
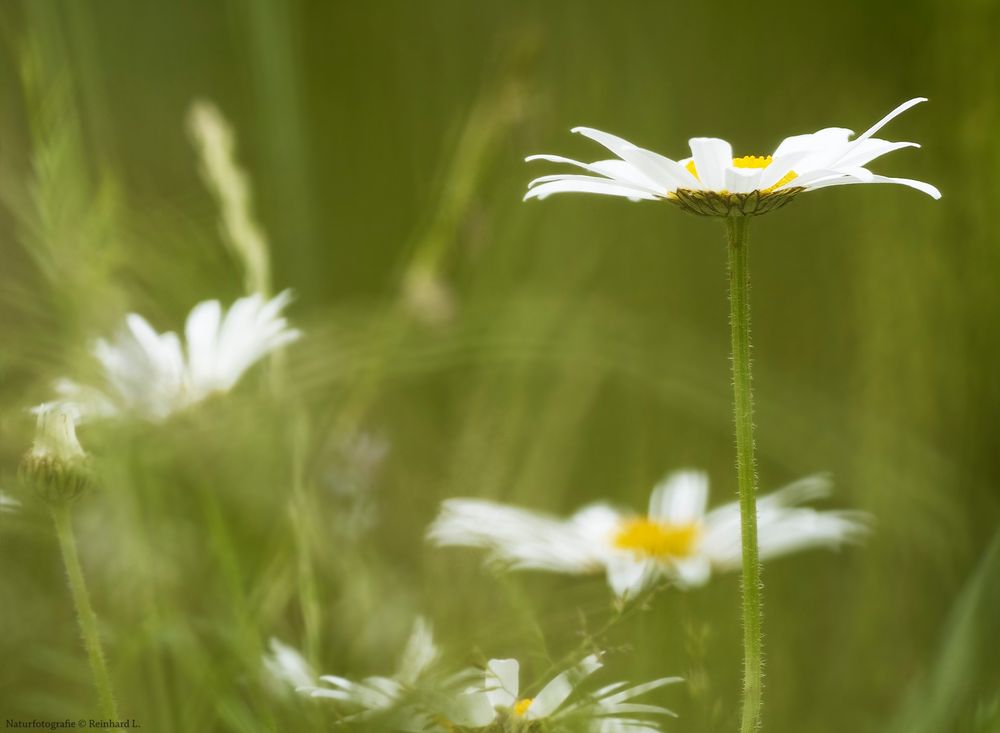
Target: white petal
(584, 185)
(519, 538)
(287, 665)
(927, 188)
(419, 654)
(554, 694)
(865, 152)
(780, 166)
(619, 171)
(502, 686)
(596, 522)
(691, 572)
(666, 172)
(885, 120)
(742, 180)
(821, 140)
(201, 331)
(621, 696)
(629, 576)
(680, 498)
(712, 157)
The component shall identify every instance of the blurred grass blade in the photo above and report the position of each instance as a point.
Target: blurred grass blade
(966, 664)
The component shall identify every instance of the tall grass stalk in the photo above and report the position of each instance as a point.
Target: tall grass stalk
(746, 468)
(63, 519)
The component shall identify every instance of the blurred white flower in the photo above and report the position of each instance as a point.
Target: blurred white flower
(409, 700)
(676, 540)
(152, 375)
(604, 710)
(713, 182)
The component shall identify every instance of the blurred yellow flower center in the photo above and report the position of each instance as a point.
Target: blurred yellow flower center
(521, 706)
(751, 161)
(656, 539)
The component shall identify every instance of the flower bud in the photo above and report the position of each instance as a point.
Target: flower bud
(56, 467)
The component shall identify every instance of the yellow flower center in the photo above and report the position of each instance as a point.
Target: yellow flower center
(656, 539)
(751, 161)
(521, 706)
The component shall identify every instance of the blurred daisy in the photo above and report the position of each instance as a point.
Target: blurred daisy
(153, 375)
(677, 539)
(412, 699)
(713, 182)
(607, 709)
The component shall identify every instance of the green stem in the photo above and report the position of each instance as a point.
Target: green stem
(84, 611)
(746, 469)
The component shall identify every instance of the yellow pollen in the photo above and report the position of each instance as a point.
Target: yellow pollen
(521, 706)
(656, 539)
(751, 161)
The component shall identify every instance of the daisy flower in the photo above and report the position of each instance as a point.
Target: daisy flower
(154, 375)
(676, 540)
(412, 699)
(606, 709)
(714, 182)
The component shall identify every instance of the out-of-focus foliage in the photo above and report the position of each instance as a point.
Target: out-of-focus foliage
(461, 343)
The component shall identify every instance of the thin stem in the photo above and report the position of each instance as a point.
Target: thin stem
(746, 469)
(84, 611)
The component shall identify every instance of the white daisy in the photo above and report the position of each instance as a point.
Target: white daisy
(153, 375)
(602, 711)
(676, 540)
(409, 700)
(713, 182)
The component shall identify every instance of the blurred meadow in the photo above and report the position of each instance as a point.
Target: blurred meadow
(459, 342)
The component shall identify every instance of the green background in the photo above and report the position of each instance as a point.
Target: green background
(573, 349)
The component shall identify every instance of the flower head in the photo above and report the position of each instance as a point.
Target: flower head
(677, 539)
(414, 698)
(559, 700)
(712, 182)
(56, 465)
(153, 375)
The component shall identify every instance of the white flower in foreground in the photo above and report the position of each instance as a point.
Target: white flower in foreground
(154, 375)
(606, 709)
(410, 700)
(712, 182)
(676, 540)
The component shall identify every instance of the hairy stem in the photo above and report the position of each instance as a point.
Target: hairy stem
(84, 611)
(746, 469)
